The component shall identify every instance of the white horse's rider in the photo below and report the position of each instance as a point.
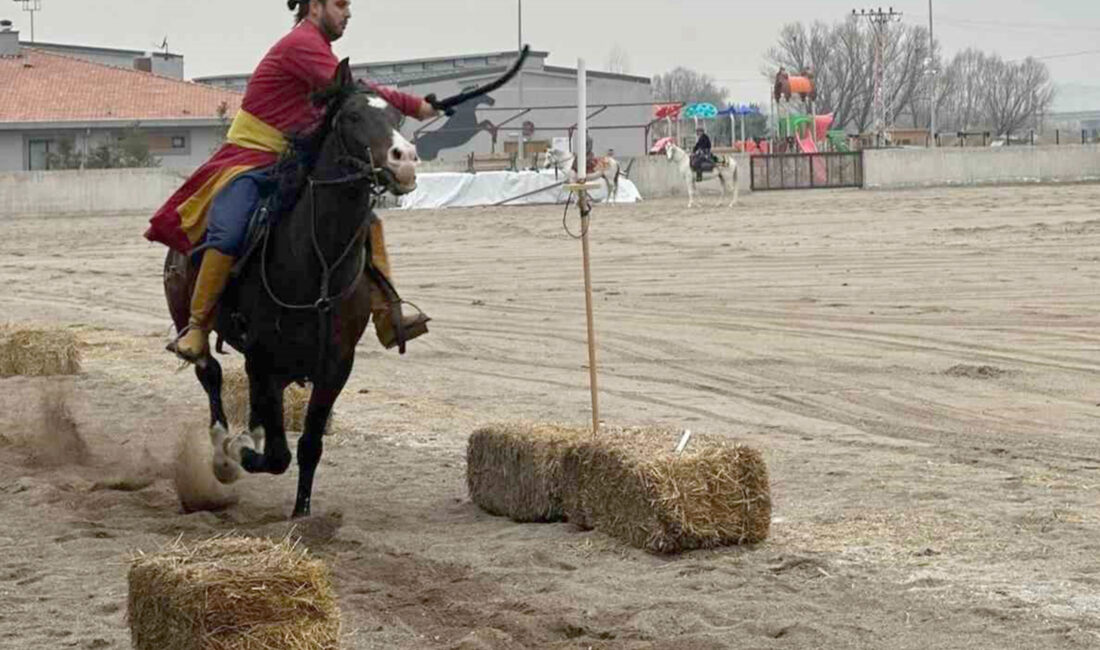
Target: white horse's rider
(213, 207)
(702, 160)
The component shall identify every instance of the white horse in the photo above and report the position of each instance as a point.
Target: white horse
(726, 165)
(606, 168)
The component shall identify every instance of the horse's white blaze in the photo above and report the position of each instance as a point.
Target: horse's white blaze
(400, 142)
(378, 102)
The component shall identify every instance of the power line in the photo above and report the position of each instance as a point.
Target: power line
(1056, 56)
(1028, 26)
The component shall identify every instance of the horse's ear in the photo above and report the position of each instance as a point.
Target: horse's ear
(343, 77)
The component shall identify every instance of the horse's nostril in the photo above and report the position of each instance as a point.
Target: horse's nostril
(395, 153)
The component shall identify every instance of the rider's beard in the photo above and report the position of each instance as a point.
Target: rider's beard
(333, 30)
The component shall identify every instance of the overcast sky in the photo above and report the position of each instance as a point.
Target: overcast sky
(724, 38)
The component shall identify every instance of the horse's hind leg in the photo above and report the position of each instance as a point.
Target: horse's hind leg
(312, 443)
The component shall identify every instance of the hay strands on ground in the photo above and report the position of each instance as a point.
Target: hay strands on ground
(232, 593)
(34, 352)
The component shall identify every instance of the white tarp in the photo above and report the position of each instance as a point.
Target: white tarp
(457, 190)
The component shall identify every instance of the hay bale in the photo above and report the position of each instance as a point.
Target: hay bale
(515, 470)
(632, 485)
(232, 593)
(38, 352)
(235, 400)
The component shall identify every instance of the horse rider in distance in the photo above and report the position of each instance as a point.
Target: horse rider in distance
(702, 160)
(213, 208)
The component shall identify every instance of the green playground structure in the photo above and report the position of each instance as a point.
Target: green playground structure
(838, 140)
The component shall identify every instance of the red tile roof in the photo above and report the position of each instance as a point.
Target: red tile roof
(45, 87)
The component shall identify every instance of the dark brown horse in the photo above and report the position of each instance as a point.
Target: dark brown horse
(300, 303)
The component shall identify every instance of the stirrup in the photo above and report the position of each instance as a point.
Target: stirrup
(173, 347)
(419, 326)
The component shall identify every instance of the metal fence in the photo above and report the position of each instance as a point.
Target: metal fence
(804, 171)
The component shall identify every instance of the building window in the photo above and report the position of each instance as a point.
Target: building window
(167, 143)
(38, 154)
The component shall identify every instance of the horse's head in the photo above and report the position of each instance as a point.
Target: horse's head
(368, 130)
(670, 150)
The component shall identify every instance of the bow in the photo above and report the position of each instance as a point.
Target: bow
(447, 106)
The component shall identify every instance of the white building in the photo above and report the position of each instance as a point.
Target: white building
(69, 98)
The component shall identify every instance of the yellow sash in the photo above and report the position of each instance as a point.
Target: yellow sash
(251, 132)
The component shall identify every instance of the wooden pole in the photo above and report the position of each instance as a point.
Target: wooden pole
(582, 199)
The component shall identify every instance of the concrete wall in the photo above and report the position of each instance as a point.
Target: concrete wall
(114, 191)
(888, 169)
(657, 177)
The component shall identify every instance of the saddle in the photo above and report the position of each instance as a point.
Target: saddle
(703, 161)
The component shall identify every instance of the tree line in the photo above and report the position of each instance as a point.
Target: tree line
(973, 91)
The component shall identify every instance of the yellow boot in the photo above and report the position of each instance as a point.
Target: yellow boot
(384, 305)
(194, 345)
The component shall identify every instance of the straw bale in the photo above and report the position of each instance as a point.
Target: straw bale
(515, 470)
(232, 593)
(235, 400)
(632, 485)
(38, 352)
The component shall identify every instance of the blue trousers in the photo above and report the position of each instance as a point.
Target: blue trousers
(232, 208)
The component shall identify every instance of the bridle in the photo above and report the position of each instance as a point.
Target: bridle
(378, 181)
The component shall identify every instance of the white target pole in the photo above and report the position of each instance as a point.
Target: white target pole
(582, 200)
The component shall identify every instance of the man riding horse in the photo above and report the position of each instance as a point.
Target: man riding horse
(702, 160)
(210, 213)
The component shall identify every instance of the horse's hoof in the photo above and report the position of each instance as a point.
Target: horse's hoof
(236, 445)
(225, 470)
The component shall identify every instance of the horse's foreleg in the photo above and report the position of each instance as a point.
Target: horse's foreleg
(312, 443)
(691, 192)
(263, 449)
(736, 187)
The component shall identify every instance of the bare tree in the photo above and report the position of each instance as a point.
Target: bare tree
(975, 91)
(618, 60)
(841, 58)
(685, 85)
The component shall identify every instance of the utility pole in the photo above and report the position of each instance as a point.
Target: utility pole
(932, 76)
(519, 49)
(879, 21)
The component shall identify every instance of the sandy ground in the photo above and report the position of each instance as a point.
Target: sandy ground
(919, 368)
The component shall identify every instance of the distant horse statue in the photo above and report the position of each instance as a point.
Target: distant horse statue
(462, 127)
(725, 170)
(300, 301)
(604, 167)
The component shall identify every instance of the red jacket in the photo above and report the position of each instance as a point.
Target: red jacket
(278, 94)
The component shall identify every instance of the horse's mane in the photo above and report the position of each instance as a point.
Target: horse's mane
(294, 167)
